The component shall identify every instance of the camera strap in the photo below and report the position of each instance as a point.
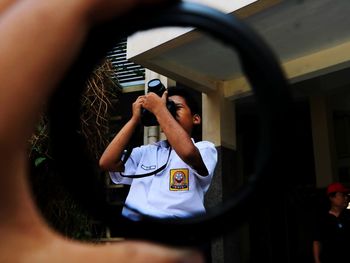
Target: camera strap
(146, 174)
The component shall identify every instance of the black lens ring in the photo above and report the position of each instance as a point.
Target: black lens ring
(263, 72)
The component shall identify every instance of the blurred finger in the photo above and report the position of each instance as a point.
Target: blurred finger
(138, 252)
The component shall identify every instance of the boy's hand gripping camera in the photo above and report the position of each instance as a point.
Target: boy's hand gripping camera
(147, 118)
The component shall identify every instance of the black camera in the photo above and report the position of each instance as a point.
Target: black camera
(147, 118)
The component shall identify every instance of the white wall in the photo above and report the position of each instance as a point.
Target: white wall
(144, 41)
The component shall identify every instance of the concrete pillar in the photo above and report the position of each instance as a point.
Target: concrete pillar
(322, 134)
(219, 127)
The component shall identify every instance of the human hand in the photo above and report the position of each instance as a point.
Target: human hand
(106, 9)
(53, 33)
(153, 103)
(136, 108)
(47, 246)
(142, 252)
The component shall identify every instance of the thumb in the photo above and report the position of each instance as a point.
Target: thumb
(165, 96)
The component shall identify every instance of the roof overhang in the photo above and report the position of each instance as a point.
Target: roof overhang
(311, 38)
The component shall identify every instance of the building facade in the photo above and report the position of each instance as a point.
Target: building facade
(311, 40)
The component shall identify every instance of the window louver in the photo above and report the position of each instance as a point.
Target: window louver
(128, 73)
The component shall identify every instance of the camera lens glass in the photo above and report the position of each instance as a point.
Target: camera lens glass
(154, 83)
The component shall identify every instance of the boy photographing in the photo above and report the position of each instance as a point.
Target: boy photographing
(178, 189)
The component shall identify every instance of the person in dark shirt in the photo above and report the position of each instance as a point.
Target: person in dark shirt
(331, 240)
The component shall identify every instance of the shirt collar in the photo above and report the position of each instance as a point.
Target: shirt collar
(165, 143)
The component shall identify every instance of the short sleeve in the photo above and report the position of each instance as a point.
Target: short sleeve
(210, 158)
(130, 168)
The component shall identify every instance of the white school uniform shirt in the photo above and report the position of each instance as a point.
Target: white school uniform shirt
(176, 191)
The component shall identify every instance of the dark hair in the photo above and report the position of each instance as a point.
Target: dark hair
(189, 98)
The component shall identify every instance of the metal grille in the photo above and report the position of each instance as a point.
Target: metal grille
(128, 73)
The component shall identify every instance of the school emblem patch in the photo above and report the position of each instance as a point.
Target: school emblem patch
(179, 180)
